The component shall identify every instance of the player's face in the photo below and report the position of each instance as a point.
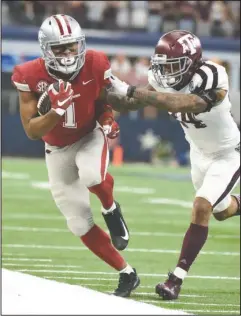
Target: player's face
(171, 68)
(65, 50)
(66, 54)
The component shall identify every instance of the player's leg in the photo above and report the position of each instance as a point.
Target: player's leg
(72, 198)
(196, 234)
(228, 207)
(214, 195)
(92, 160)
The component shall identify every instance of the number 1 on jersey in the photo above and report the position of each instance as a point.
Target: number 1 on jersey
(70, 117)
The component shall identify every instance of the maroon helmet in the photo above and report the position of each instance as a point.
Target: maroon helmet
(177, 55)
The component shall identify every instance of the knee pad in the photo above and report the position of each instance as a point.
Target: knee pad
(89, 177)
(79, 226)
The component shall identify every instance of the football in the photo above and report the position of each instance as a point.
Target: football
(44, 104)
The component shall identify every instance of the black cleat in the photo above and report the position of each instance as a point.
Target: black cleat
(118, 230)
(127, 283)
(169, 290)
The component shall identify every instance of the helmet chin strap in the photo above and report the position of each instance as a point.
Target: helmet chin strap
(68, 65)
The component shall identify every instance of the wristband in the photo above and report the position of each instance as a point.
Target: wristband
(130, 91)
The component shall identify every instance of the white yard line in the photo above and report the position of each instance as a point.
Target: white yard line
(130, 218)
(40, 265)
(33, 217)
(21, 196)
(125, 189)
(146, 234)
(189, 303)
(223, 312)
(52, 247)
(154, 294)
(35, 229)
(186, 204)
(25, 259)
(79, 278)
(208, 277)
(13, 254)
(15, 175)
(139, 287)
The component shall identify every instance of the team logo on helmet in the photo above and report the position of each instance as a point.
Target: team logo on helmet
(42, 86)
(188, 43)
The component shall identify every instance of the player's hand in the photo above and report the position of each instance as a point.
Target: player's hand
(118, 86)
(62, 99)
(111, 128)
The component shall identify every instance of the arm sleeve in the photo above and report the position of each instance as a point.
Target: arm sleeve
(18, 80)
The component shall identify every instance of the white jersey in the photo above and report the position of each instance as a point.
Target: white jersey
(209, 132)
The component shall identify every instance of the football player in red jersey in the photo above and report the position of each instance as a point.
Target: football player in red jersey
(74, 131)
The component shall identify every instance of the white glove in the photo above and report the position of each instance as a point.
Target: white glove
(118, 86)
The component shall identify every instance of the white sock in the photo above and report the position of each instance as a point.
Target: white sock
(128, 269)
(180, 273)
(103, 210)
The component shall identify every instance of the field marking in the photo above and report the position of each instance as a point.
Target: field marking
(125, 189)
(147, 234)
(15, 175)
(78, 278)
(41, 265)
(189, 303)
(35, 229)
(24, 196)
(177, 202)
(26, 259)
(210, 311)
(130, 218)
(154, 294)
(13, 254)
(208, 277)
(139, 287)
(34, 216)
(218, 253)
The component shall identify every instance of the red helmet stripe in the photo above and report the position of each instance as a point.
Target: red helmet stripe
(67, 23)
(59, 25)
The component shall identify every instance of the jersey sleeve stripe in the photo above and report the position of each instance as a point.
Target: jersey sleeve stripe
(22, 86)
(215, 75)
(204, 77)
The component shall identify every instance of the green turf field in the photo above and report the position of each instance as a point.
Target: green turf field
(155, 203)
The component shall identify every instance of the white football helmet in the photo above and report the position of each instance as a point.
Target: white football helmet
(58, 30)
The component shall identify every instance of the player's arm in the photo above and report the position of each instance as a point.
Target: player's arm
(131, 98)
(105, 117)
(102, 106)
(35, 126)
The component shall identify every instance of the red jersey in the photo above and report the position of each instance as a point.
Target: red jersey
(80, 118)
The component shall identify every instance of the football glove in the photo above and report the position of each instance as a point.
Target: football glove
(61, 98)
(110, 127)
(118, 86)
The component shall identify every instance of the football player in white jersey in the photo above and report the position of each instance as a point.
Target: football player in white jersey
(196, 93)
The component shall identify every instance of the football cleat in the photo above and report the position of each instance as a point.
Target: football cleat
(169, 290)
(118, 229)
(127, 283)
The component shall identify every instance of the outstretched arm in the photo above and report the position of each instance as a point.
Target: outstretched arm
(172, 102)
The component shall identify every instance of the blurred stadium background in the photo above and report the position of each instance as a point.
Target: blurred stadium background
(127, 31)
(153, 185)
